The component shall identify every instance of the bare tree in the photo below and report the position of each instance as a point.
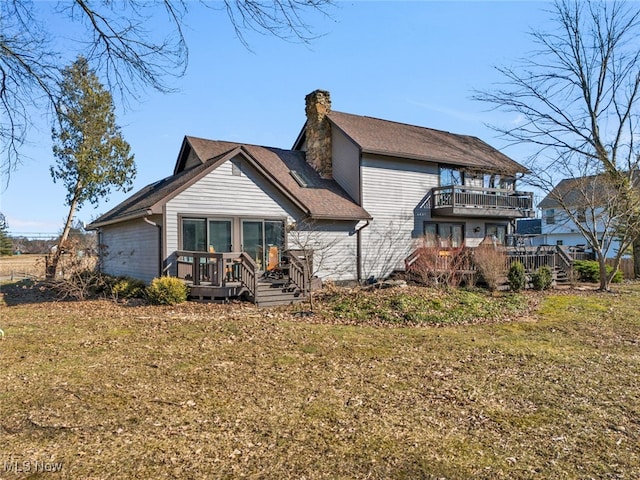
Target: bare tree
(321, 250)
(387, 248)
(117, 40)
(576, 100)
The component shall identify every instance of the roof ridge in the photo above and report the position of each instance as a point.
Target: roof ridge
(402, 124)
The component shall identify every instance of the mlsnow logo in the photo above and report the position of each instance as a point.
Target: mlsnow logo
(18, 464)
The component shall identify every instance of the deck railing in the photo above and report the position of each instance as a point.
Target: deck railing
(298, 273)
(474, 197)
(218, 269)
(531, 258)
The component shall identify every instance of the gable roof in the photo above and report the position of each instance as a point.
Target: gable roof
(587, 191)
(321, 199)
(384, 137)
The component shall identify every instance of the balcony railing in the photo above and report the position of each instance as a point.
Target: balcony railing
(475, 201)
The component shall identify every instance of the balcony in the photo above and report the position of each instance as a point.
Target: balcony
(463, 201)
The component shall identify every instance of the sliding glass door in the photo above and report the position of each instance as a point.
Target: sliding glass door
(220, 235)
(263, 240)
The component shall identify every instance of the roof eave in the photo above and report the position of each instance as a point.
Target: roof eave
(125, 218)
(345, 218)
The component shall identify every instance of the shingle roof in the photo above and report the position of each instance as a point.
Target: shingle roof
(580, 191)
(322, 199)
(394, 139)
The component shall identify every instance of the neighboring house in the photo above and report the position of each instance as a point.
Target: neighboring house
(585, 198)
(361, 187)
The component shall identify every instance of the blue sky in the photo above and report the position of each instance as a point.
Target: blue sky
(413, 62)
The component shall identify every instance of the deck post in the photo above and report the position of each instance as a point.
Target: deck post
(196, 270)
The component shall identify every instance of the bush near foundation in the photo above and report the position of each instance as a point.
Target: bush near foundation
(517, 277)
(167, 291)
(127, 287)
(542, 278)
(589, 271)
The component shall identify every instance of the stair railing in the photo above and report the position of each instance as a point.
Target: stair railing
(298, 274)
(564, 261)
(248, 274)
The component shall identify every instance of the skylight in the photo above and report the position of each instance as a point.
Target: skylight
(301, 178)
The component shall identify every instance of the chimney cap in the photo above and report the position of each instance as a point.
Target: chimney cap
(319, 92)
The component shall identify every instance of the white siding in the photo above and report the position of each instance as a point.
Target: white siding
(131, 249)
(346, 163)
(396, 195)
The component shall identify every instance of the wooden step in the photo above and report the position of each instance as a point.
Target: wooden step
(271, 294)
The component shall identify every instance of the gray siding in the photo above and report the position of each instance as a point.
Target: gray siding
(334, 247)
(221, 194)
(394, 193)
(346, 164)
(131, 249)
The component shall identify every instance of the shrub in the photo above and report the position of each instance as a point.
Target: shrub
(439, 266)
(542, 278)
(127, 287)
(589, 271)
(491, 264)
(517, 277)
(167, 291)
(81, 284)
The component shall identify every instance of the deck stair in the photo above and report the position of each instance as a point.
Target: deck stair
(272, 293)
(214, 276)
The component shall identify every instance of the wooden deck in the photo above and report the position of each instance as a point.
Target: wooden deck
(558, 259)
(234, 275)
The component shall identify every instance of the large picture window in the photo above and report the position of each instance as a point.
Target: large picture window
(447, 234)
(206, 235)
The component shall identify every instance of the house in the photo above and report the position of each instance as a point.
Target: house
(576, 200)
(357, 191)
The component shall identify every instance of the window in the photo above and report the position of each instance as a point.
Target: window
(581, 214)
(473, 180)
(263, 240)
(550, 216)
(194, 234)
(450, 176)
(499, 231)
(202, 235)
(448, 234)
(220, 235)
(507, 183)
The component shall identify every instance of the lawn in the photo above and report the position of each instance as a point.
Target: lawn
(99, 390)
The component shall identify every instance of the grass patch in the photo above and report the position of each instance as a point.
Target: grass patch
(229, 391)
(421, 306)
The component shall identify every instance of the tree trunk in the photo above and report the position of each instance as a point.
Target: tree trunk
(604, 278)
(52, 268)
(636, 258)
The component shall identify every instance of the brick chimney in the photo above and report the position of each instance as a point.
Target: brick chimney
(318, 132)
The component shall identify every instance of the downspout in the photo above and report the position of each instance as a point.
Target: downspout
(100, 252)
(359, 252)
(159, 227)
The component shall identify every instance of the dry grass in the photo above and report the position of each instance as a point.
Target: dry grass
(20, 265)
(230, 391)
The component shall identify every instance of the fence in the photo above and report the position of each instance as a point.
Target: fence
(626, 267)
(16, 267)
